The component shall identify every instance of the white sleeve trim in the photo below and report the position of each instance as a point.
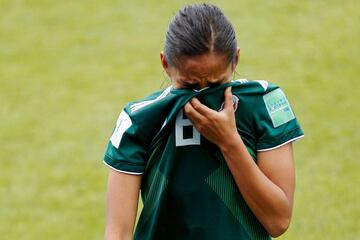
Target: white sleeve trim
(137, 106)
(131, 173)
(122, 125)
(272, 148)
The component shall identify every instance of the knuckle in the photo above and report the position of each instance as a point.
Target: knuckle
(212, 118)
(200, 127)
(196, 106)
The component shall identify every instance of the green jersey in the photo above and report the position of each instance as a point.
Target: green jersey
(187, 189)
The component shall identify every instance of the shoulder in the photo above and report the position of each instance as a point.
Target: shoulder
(144, 103)
(254, 87)
(149, 114)
(262, 101)
(265, 107)
(254, 94)
(260, 95)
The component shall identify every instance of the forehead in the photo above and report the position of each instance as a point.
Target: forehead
(203, 66)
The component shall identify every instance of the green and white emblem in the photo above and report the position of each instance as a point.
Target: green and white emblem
(278, 107)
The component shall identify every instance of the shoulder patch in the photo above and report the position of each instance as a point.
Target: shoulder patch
(278, 107)
(122, 124)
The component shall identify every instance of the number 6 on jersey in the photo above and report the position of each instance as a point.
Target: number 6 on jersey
(181, 125)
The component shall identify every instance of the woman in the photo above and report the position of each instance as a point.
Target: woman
(212, 157)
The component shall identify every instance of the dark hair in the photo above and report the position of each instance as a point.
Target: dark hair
(198, 29)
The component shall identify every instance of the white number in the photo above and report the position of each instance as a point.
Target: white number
(179, 131)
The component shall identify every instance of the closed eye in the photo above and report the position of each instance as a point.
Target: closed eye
(197, 86)
(217, 83)
(190, 85)
(214, 84)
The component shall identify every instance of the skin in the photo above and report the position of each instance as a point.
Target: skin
(121, 205)
(201, 71)
(267, 186)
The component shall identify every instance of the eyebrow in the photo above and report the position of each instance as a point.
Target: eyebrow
(186, 84)
(217, 83)
(190, 85)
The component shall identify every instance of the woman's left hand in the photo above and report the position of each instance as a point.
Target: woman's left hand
(217, 127)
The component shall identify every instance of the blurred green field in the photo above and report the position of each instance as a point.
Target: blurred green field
(68, 67)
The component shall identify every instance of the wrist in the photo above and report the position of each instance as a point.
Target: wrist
(230, 143)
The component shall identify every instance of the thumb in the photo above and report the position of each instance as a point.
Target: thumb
(228, 105)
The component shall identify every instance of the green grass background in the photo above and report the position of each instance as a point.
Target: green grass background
(68, 67)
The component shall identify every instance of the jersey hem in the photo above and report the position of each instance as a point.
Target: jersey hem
(121, 171)
(280, 145)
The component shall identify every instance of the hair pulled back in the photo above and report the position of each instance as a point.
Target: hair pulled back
(199, 29)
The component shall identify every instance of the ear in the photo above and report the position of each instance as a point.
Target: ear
(237, 57)
(164, 62)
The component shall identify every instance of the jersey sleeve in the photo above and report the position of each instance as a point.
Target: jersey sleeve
(276, 121)
(126, 149)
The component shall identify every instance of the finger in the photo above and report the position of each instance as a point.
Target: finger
(201, 108)
(228, 105)
(192, 114)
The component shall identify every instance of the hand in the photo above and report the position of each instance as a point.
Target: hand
(217, 127)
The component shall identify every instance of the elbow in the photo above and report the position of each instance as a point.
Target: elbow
(277, 228)
(118, 236)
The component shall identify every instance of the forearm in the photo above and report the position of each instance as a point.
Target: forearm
(121, 205)
(268, 202)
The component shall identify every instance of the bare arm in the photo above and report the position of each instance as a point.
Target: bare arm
(121, 205)
(268, 187)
